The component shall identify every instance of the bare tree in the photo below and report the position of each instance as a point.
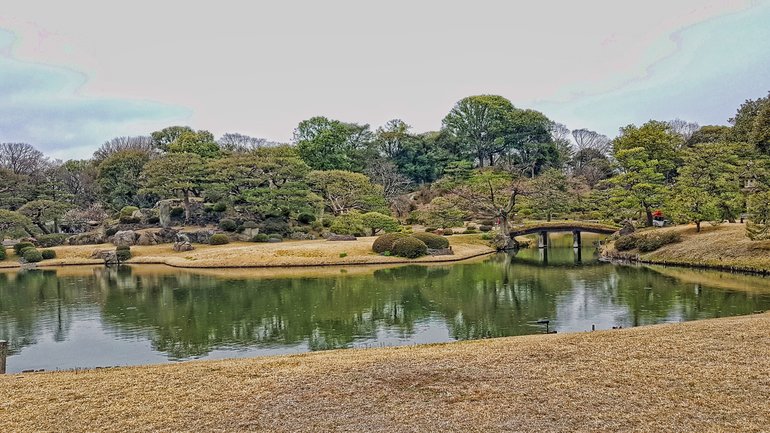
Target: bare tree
(21, 158)
(235, 142)
(683, 128)
(386, 173)
(587, 139)
(142, 143)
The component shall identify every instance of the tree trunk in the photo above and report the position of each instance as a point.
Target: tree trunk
(548, 217)
(648, 211)
(697, 226)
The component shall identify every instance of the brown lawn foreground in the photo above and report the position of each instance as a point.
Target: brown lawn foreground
(711, 375)
(248, 254)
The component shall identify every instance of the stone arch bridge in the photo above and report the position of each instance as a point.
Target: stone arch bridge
(576, 227)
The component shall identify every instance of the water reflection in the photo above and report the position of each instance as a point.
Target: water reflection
(132, 316)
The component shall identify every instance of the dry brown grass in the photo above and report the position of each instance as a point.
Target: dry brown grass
(710, 375)
(725, 246)
(246, 254)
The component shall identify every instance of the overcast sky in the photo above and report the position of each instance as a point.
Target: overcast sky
(74, 74)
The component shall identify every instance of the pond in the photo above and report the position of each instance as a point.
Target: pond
(84, 317)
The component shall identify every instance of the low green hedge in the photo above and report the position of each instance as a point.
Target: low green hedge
(219, 239)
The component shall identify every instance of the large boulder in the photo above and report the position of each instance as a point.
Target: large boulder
(202, 236)
(109, 256)
(183, 246)
(164, 213)
(166, 235)
(147, 238)
(627, 229)
(125, 238)
(89, 238)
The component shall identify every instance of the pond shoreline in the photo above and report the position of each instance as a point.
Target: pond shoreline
(293, 254)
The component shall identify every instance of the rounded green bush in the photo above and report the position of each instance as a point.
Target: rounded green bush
(385, 242)
(32, 255)
(228, 225)
(434, 242)
(409, 247)
(275, 237)
(260, 237)
(306, 218)
(3, 254)
(485, 228)
(448, 232)
(430, 229)
(219, 207)
(219, 239)
(177, 211)
(123, 253)
(625, 243)
(127, 211)
(21, 246)
(48, 254)
(52, 240)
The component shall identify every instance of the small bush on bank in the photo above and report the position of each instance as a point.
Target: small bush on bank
(275, 237)
(625, 243)
(48, 254)
(409, 247)
(448, 232)
(123, 253)
(306, 218)
(177, 212)
(275, 225)
(228, 225)
(219, 239)
(385, 242)
(470, 231)
(31, 255)
(430, 229)
(52, 240)
(3, 253)
(21, 246)
(219, 207)
(259, 237)
(485, 228)
(646, 244)
(434, 242)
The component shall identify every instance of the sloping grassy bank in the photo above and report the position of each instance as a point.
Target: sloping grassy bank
(724, 247)
(248, 254)
(709, 375)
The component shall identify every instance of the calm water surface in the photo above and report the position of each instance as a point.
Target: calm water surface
(89, 317)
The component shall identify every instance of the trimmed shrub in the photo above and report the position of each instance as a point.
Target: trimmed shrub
(343, 255)
(219, 207)
(434, 242)
(228, 225)
(110, 231)
(52, 240)
(327, 222)
(21, 246)
(48, 254)
(409, 247)
(177, 212)
(385, 242)
(306, 218)
(275, 225)
(448, 232)
(123, 253)
(646, 244)
(260, 237)
(625, 243)
(274, 237)
(485, 228)
(127, 211)
(430, 229)
(32, 255)
(219, 239)
(249, 225)
(3, 254)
